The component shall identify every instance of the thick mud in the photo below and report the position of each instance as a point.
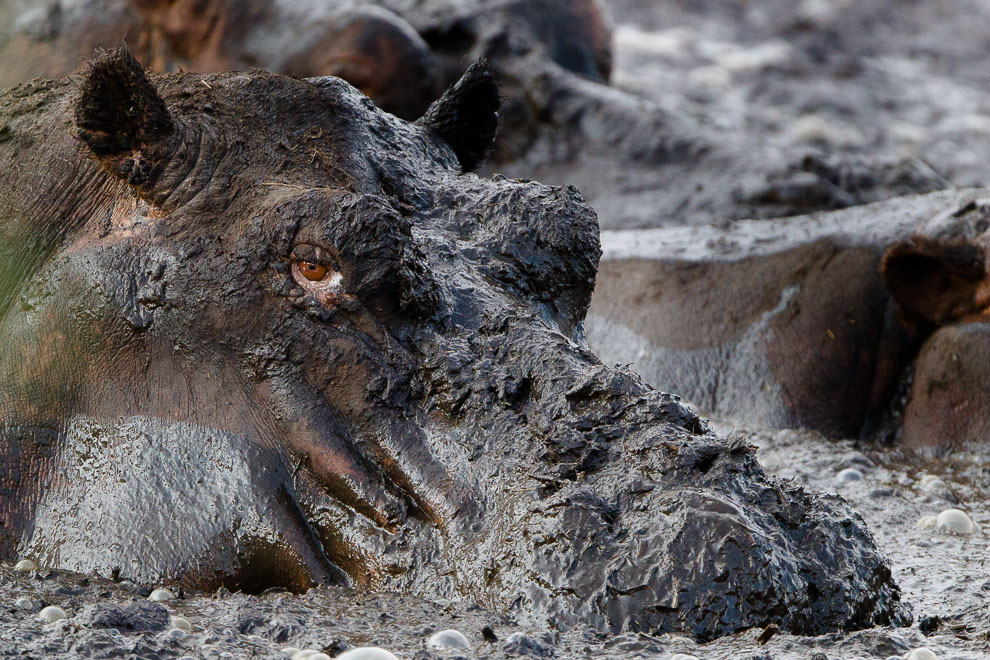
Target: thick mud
(728, 110)
(943, 576)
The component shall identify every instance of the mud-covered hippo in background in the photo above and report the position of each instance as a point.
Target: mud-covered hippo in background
(400, 53)
(258, 332)
(870, 322)
(940, 278)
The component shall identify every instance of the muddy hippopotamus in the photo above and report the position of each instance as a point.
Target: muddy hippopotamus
(258, 332)
(400, 54)
(868, 322)
(940, 279)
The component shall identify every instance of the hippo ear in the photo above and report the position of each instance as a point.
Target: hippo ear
(122, 119)
(938, 280)
(466, 116)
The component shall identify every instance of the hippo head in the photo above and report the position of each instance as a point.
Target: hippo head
(279, 337)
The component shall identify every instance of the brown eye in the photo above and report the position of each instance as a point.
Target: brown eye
(311, 271)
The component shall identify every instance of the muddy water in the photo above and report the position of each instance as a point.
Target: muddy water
(943, 575)
(781, 107)
(832, 77)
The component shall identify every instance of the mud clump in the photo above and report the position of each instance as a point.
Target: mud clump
(133, 616)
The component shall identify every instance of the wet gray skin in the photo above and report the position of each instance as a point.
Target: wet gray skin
(182, 403)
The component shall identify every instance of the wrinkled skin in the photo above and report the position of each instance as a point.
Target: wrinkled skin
(182, 404)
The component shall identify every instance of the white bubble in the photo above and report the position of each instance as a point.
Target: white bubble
(23, 603)
(922, 653)
(366, 653)
(745, 60)
(304, 654)
(771, 459)
(683, 656)
(176, 633)
(319, 656)
(180, 622)
(668, 43)
(158, 595)
(957, 521)
(932, 484)
(52, 613)
(290, 651)
(849, 474)
(714, 77)
(927, 522)
(25, 565)
(448, 639)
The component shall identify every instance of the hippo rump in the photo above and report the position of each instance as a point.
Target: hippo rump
(870, 322)
(258, 332)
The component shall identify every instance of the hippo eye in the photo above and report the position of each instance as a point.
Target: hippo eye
(312, 272)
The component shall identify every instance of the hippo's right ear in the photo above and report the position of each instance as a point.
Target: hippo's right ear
(123, 120)
(466, 116)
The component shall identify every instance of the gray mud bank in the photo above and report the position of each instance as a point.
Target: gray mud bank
(943, 576)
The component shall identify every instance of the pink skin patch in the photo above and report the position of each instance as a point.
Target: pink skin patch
(329, 291)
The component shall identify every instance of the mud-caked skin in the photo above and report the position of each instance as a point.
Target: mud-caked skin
(258, 332)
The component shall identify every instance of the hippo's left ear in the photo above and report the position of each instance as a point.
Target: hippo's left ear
(466, 116)
(123, 120)
(939, 280)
